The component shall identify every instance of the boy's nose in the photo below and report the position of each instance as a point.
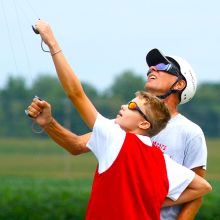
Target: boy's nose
(123, 107)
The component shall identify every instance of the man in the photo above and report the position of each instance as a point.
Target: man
(159, 83)
(182, 140)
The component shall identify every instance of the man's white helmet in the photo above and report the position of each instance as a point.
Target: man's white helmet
(155, 57)
(190, 77)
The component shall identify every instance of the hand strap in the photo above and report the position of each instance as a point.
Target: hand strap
(44, 127)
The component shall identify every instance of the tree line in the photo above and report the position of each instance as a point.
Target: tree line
(16, 96)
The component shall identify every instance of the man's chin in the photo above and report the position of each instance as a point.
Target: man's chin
(150, 89)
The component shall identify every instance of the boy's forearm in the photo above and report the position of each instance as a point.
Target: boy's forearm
(67, 77)
(187, 195)
(197, 188)
(74, 89)
(69, 141)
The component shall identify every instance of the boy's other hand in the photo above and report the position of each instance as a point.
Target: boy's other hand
(40, 111)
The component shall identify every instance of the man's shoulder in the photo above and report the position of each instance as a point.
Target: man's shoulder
(178, 129)
(184, 123)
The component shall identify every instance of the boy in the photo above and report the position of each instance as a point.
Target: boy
(132, 179)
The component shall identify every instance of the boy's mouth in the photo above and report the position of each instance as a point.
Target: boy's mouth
(120, 114)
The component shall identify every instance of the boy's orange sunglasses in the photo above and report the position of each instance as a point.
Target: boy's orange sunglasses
(134, 106)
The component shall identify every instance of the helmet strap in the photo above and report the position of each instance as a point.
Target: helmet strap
(170, 90)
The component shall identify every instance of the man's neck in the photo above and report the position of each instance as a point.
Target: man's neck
(172, 103)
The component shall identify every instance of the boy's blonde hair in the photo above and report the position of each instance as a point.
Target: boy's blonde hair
(157, 112)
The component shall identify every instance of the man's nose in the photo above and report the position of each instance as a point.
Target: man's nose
(153, 68)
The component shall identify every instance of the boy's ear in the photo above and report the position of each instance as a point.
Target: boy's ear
(144, 125)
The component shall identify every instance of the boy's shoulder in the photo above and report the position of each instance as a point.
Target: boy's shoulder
(145, 139)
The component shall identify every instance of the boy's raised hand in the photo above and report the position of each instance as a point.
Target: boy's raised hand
(40, 112)
(45, 32)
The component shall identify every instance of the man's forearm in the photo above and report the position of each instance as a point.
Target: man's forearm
(69, 141)
(190, 209)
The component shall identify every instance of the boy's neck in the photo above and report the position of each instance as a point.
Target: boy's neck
(138, 131)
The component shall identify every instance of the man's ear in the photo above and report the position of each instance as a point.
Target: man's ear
(181, 84)
(144, 125)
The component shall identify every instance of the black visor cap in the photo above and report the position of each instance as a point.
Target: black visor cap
(155, 57)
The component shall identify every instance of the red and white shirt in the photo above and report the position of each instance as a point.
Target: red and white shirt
(132, 178)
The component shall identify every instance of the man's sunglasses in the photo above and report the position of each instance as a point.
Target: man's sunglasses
(167, 68)
(134, 106)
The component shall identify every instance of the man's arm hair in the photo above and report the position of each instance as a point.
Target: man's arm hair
(190, 209)
(71, 142)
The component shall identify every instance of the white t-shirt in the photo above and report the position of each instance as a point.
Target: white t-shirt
(184, 142)
(106, 142)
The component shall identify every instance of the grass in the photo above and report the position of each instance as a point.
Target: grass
(45, 159)
(31, 198)
(210, 206)
(39, 180)
(213, 161)
(45, 198)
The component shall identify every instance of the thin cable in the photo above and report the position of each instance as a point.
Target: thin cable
(47, 51)
(11, 42)
(23, 11)
(24, 46)
(33, 9)
(30, 22)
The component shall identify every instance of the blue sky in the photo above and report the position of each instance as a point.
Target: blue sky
(101, 39)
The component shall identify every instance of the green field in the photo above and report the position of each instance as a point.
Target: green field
(39, 180)
(45, 159)
(213, 163)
